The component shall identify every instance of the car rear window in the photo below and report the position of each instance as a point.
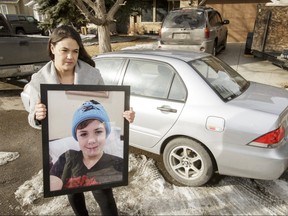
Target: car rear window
(187, 19)
(110, 69)
(225, 81)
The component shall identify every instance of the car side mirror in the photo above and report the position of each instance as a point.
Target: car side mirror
(225, 22)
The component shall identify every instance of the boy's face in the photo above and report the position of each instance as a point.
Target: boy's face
(92, 138)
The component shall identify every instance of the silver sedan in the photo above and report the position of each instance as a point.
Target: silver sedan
(201, 115)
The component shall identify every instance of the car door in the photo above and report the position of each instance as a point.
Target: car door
(157, 97)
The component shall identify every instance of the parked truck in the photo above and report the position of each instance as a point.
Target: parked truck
(20, 55)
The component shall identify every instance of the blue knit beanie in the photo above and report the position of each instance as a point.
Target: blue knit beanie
(90, 110)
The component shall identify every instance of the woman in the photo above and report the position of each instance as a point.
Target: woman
(70, 64)
(91, 165)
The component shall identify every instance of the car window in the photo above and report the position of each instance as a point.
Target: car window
(178, 90)
(214, 18)
(191, 19)
(30, 19)
(110, 69)
(221, 77)
(21, 18)
(149, 78)
(12, 17)
(3, 27)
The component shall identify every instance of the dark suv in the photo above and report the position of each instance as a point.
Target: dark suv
(199, 28)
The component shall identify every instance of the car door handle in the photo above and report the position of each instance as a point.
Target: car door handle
(167, 109)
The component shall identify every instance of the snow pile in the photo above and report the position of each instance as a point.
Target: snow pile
(141, 47)
(129, 198)
(277, 3)
(6, 157)
(31, 190)
(149, 194)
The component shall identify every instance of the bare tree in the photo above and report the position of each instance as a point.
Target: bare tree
(95, 11)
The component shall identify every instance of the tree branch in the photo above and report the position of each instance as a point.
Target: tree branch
(98, 20)
(111, 13)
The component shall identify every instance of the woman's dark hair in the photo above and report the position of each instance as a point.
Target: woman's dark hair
(65, 31)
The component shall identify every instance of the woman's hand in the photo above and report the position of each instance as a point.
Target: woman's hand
(129, 115)
(40, 111)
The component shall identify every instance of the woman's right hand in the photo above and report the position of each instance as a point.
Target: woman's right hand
(40, 111)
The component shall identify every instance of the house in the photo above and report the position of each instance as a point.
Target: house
(15, 7)
(241, 13)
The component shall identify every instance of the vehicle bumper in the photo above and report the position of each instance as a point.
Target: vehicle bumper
(14, 71)
(254, 162)
(206, 46)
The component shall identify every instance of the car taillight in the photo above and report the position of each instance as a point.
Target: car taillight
(206, 33)
(272, 137)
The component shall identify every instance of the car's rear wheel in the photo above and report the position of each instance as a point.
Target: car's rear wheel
(187, 162)
(214, 51)
(225, 42)
(20, 32)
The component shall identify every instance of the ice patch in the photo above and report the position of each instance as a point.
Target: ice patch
(31, 190)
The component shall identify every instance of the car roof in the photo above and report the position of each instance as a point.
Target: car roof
(174, 54)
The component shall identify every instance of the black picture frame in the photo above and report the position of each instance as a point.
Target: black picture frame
(61, 102)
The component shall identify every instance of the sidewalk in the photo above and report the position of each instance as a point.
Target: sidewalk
(253, 69)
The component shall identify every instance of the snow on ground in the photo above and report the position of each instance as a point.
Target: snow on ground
(149, 194)
(6, 157)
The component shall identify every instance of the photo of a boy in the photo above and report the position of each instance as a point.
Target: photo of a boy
(91, 165)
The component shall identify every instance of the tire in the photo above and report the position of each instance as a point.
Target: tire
(214, 51)
(225, 42)
(20, 32)
(187, 162)
(248, 45)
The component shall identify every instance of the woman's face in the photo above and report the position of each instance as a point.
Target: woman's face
(92, 138)
(66, 54)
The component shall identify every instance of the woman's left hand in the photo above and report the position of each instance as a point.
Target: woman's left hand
(129, 115)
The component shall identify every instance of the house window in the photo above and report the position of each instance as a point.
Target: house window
(147, 11)
(3, 9)
(161, 10)
(154, 10)
(173, 4)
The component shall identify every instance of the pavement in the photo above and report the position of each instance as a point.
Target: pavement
(253, 68)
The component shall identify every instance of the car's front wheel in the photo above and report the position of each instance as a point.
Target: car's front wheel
(187, 162)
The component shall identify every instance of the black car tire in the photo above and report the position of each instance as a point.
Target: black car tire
(214, 51)
(20, 32)
(225, 42)
(187, 162)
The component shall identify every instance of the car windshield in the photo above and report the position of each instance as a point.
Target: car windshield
(225, 81)
(189, 19)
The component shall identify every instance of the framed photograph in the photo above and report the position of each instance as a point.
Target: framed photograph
(84, 137)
